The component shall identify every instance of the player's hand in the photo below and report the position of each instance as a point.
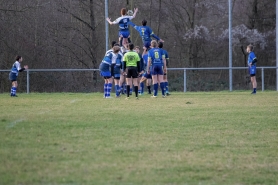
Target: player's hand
(135, 10)
(108, 20)
(26, 67)
(148, 71)
(161, 40)
(165, 70)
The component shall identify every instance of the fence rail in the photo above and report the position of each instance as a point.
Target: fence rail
(169, 69)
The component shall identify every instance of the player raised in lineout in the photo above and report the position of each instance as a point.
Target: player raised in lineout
(123, 24)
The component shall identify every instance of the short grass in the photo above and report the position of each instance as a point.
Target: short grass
(191, 138)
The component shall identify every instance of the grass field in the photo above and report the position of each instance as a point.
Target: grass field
(193, 138)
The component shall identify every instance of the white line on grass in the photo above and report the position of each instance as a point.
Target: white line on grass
(73, 101)
(12, 124)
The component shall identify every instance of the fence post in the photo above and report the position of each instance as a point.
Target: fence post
(262, 79)
(184, 80)
(28, 83)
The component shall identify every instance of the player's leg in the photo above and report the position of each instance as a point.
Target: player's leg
(161, 80)
(14, 88)
(148, 84)
(109, 87)
(124, 38)
(128, 81)
(105, 87)
(155, 85)
(252, 71)
(138, 82)
(117, 86)
(166, 84)
(122, 80)
(254, 84)
(135, 83)
(128, 84)
(13, 79)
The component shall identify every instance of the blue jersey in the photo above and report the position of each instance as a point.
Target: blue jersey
(106, 62)
(251, 57)
(15, 68)
(165, 53)
(142, 63)
(145, 32)
(118, 65)
(166, 56)
(145, 57)
(156, 56)
(123, 22)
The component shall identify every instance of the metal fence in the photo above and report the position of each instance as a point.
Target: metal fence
(185, 70)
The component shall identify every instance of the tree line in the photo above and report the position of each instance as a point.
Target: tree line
(71, 34)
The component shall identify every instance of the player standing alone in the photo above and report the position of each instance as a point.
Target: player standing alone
(14, 73)
(252, 60)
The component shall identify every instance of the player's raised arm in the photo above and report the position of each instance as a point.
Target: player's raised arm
(109, 20)
(154, 36)
(135, 12)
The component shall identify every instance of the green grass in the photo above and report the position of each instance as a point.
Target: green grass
(192, 138)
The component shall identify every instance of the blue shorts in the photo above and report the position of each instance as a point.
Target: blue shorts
(12, 77)
(125, 34)
(105, 74)
(148, 76)
(157, 70)
(252, 71)
(117, 75)
(147, 44)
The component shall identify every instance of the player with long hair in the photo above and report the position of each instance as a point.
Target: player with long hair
(105, 70)
(14, 74)
(156, 58)
(123, 24)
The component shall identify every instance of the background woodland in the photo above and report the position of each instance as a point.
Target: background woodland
(53, 34)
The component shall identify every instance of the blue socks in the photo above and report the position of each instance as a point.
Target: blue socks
(109, 88)
(142, 87)
(105, 90)
(166, 87)
(117, 90)
(155, 89)
(13, 91)
(162, 88)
